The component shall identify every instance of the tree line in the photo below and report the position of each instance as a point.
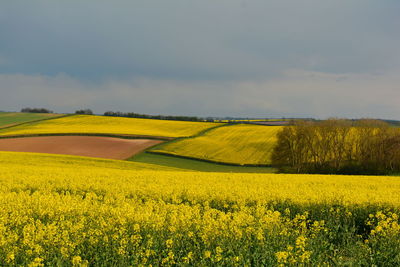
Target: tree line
(125, 114)
(84, 111)
(160, 117)
(36, 110)
(338, 146)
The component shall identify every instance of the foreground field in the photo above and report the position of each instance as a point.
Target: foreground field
(241, 144)
(60, 210)
(13, 118)
(83, 124)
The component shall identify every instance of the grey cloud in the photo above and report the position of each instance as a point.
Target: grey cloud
(198, 40)
(298, 93)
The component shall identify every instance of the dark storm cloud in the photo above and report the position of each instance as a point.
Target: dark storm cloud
(186, 56)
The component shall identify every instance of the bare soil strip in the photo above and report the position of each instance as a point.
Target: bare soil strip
(125, 136)
(89, 146)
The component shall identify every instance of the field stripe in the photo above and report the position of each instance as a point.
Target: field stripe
(34, 121)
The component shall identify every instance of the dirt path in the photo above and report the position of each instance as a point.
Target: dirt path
(90, 146)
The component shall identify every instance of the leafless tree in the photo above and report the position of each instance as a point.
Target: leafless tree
(338, 146)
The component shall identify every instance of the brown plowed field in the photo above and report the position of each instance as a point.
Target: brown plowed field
(90, 146)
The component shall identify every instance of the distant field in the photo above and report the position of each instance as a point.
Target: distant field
(83, 124)
(14, 118)
(196, 165)
(252, 120)
(236, 144)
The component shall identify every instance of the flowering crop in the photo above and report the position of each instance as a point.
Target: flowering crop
(84, 124)
(64, 210)
(238, 144)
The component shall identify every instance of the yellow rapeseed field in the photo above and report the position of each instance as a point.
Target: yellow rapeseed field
(75, 211)
(81, 124)
(238, 144)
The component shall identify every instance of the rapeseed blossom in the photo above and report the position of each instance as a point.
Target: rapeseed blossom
(55, 212)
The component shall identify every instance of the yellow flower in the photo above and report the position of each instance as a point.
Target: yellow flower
(301, 242)
(260, 236)
(169, 243)
(188, 258)
(37, 262)
(282, 256)
(207, 254)
(218, 250)
(10, 257)
(305, 256)
(76, 260)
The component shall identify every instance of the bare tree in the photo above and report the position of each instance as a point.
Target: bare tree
(338, 146)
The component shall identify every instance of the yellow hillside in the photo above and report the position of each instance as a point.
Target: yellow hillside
(74, 211)
(109, 125)
(237, 144)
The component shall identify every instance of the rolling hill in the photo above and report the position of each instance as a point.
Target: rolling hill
(102, 125)
(8, 119)
(241, 144)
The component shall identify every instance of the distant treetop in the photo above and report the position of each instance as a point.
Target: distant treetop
(84, 112)
(159, 117)
(36, 110)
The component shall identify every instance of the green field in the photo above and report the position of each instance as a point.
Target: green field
(53, 161)
(240, 144)
(14, 118)
(196, 165)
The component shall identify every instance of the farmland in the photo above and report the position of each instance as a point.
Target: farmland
(167, 208)
(12, 160)
(13, 118)
(64, 210)
(83, 124)
(199, 133)
(240, 144)
(90, 146)
(196, 165)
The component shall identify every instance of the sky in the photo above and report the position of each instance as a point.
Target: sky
(239, 58)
